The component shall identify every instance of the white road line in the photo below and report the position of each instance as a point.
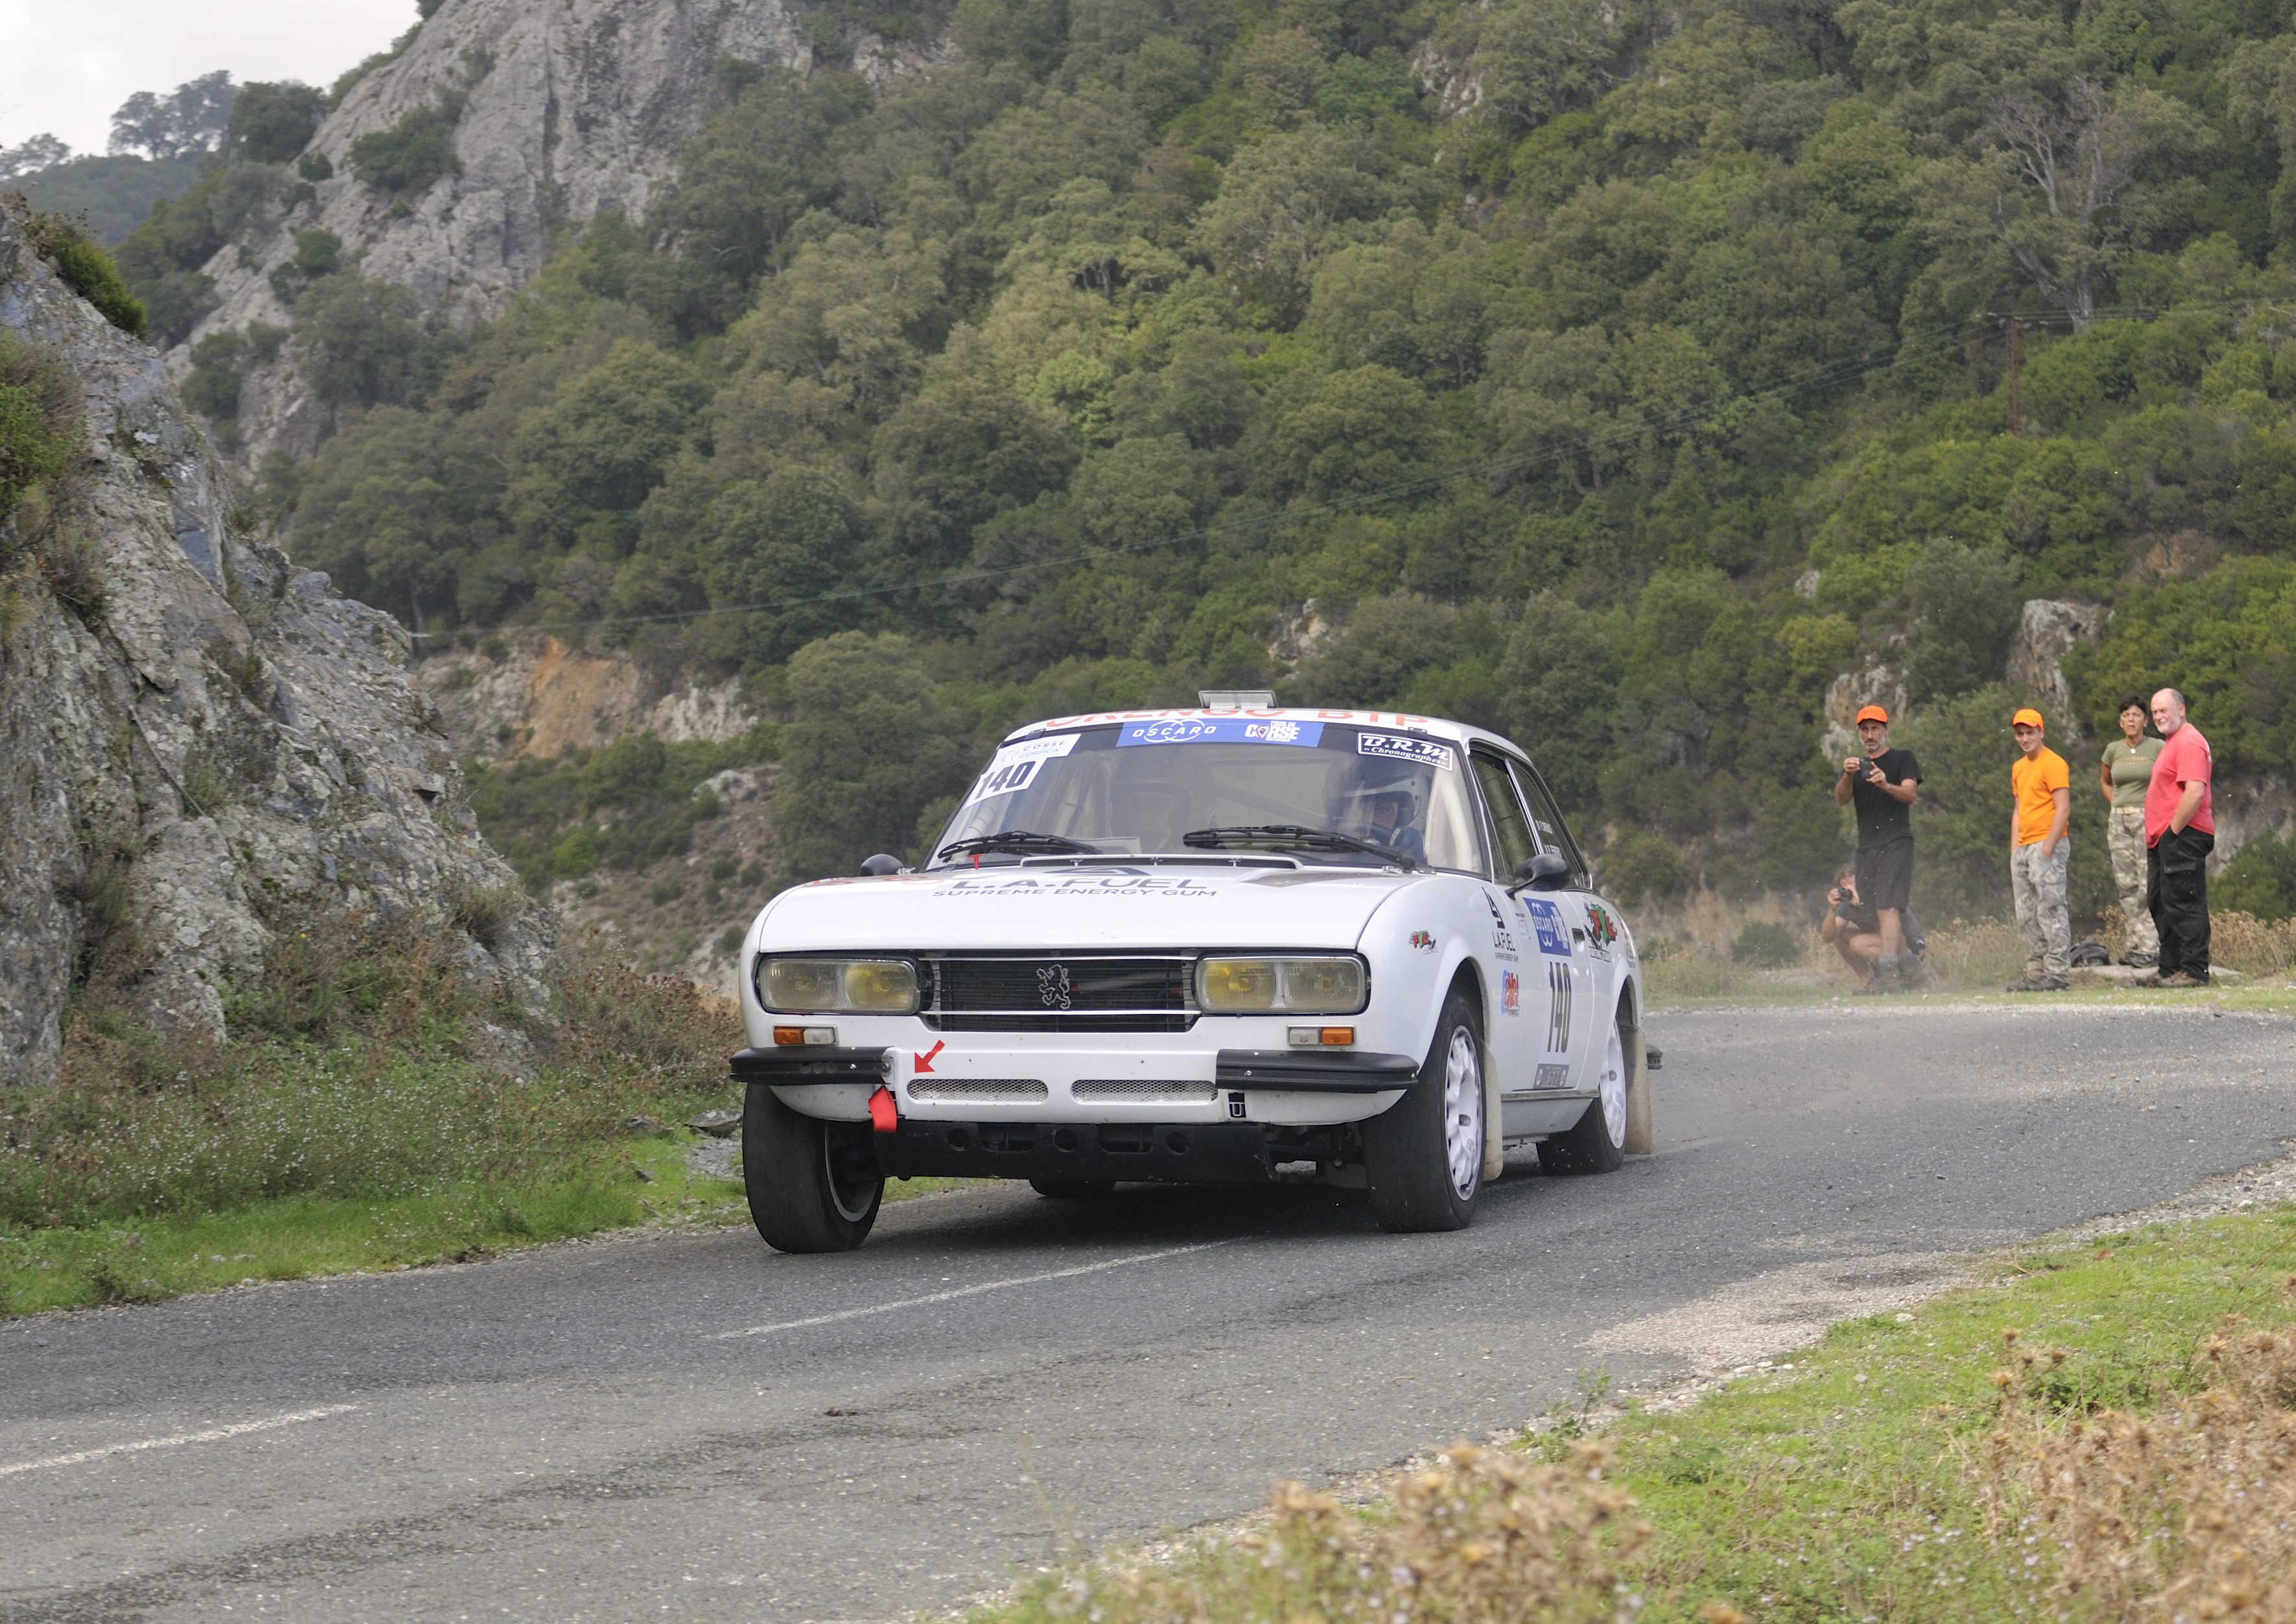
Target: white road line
(969, 1291)
(207, 1437)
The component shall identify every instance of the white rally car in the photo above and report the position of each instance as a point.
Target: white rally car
(1196, 946)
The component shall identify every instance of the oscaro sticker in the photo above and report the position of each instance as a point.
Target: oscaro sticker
(1426, 752)
(1550, 1075)
(1014, 766)
(1510, 993)
(1220, 730)
(1546, 920)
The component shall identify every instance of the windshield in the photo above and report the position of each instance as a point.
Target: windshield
(1137, 788)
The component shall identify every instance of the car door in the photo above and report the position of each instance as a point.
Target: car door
(1517, 1013)
(1592, 927)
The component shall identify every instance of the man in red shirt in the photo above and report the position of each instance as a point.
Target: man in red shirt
(2178, 836)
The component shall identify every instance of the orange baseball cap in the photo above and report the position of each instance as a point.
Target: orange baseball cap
(1873, 713)
(2026, 718)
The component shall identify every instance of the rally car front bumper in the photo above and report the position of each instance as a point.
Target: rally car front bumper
(1129, 1093)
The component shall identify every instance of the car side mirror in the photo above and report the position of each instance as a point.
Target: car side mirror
(884, 863)
(1543, 873)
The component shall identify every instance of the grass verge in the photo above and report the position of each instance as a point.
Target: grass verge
(1970, 1459)
(377, 1106)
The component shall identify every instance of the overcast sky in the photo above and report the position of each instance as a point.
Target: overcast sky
(65, 64)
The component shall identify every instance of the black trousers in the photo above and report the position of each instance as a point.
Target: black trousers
(2177, 891)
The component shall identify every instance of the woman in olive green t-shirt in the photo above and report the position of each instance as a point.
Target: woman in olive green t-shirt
(2126, 771)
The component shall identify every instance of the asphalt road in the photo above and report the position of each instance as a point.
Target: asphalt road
(690, 1426)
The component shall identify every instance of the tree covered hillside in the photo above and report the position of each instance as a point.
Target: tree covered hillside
(1615, 375)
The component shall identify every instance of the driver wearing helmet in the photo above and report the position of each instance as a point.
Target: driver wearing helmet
(1149, 815)
(1388, 815)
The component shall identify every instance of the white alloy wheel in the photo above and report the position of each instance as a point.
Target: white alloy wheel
(1614, 1087)
(1463, 1112)
(1423, 1156)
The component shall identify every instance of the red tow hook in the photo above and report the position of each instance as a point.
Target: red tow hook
(884, 1112)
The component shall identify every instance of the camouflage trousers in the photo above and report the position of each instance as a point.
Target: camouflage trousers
(2124, 838)
(2043, 919)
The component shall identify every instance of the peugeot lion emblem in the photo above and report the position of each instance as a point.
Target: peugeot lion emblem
(1053, 988)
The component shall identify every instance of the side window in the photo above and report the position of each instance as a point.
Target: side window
(1507, 821)
(1554, 834)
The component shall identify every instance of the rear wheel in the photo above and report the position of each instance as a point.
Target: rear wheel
(1598, 1143)
(1073, 1189)
(1424, 1154)
(813, 1185)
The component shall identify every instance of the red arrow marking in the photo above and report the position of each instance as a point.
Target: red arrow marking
(925, 1061)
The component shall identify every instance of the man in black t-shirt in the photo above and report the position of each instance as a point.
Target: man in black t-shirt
(1883, 784)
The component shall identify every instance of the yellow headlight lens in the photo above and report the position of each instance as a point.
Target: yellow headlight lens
(1288, 986)
(798, 984)
(880, 987)
(1331, 985)
(1236, 985)
(862, 986)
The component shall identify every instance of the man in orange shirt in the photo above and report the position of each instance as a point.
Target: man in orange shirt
(2180, 834)
(2039, 856)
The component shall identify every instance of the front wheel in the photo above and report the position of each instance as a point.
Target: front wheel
(1598, 1143)
(813, 1185)
(1424, 1154)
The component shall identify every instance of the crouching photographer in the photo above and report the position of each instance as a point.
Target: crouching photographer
(1853, 929)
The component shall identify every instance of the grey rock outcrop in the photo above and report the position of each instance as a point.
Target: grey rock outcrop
(2046, 631)
(225, 746)
(533, 695)
(568, 108)
(1846, 695)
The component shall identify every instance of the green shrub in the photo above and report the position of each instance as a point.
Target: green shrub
(212, 389)
(1766, 945)
(272, 123)
(318, 253)
(88, 271)
(409, 155)
(39, 418)
(2259, 880)
(647, 797)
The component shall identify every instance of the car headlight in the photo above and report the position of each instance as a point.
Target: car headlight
(841, 986)
(1279, 985)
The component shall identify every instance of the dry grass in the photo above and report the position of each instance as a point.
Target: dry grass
(2187, 1512)
(1481, 1537)
(1976, 955)
(371, 1062)
(2243, 942)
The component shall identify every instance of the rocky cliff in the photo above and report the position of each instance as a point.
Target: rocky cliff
(199, 743)
(564, 109)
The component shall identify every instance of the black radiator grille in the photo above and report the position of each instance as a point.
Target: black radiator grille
(1059, 993)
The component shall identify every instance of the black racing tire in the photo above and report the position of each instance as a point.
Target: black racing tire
(1423, 1156)
(813, 1185)
(1598, 1143)
(1073, 1189)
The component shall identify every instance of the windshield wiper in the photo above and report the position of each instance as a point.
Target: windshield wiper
(1295, 836)
(1013, 839)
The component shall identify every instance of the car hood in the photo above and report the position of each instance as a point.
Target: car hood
(1144, 905)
